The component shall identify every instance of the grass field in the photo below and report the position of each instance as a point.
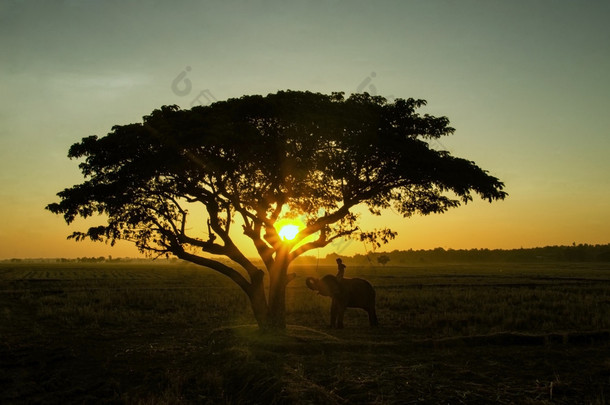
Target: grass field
(164, 334)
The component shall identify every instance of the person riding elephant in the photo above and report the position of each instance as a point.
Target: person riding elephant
(340, 269)
(345, 293)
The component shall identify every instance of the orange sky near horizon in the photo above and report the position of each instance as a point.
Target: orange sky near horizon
(525, 84)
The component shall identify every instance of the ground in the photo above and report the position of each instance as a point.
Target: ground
(155, 334)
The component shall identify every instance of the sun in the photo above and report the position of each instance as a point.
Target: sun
(289, 231)
(288, 228)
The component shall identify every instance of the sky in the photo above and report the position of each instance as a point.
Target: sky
(525, 84)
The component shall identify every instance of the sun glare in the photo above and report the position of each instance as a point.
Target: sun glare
(288, 232)
(289, 225)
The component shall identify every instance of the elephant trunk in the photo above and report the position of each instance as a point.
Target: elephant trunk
(312, 283)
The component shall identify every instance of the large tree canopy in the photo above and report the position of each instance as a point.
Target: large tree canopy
(255, 159)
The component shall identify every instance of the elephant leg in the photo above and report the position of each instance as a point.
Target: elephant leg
(333, 313)
(373, 317)
(340, 313)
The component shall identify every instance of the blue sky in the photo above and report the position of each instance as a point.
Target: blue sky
(525, 84)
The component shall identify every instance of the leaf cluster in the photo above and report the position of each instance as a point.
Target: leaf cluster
(250, 157)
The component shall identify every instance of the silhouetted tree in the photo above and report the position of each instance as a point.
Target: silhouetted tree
(383, 260)
(257, 159)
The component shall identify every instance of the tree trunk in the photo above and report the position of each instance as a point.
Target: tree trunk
(271, 314)
(277, 292)
(277, 302)
(258, 301)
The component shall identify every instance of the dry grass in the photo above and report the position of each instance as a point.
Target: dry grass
(166, 334)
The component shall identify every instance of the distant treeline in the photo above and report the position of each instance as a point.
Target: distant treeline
(574, 253)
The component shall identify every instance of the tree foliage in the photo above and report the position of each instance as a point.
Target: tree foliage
(383, 260)
(257, 159)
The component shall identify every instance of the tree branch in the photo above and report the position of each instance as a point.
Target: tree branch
(322, 222)
(321, 242)
(217, 266)
(264, 250)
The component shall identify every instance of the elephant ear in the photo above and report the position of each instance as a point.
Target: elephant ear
(330, 286)
(311, 283)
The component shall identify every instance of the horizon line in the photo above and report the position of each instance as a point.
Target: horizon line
(110, 257)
